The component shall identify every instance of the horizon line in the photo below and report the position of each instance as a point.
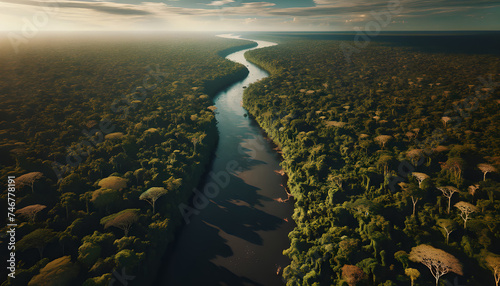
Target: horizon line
(241, 31)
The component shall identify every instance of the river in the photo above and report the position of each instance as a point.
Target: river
(238, 238)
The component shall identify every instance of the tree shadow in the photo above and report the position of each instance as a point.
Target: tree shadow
(192, 266)
(208, 251)
(233, 211)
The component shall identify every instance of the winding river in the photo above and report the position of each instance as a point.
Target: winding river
(238, 238)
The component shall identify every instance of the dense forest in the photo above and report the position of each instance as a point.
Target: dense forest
(106, 136)
(391, 155)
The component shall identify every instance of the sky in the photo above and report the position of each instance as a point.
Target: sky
(243, 15)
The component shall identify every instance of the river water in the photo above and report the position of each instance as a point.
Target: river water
(238, 238)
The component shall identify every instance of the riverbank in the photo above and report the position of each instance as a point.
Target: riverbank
(211, 88)
(239, 236)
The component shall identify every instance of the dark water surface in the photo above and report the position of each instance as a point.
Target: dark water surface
(238, 238)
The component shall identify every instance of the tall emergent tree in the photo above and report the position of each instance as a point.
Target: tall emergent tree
(493, 262)
(382, 140)
(445, 120)
(412, 191)
(122, 220)
(438, 261)
(448, 226)
(465, 210)
(412, 273)
(486, 168)
(36, 239)
(415, 156)
(352, 274)
(30, 211)
(473, 189)
(448, 192)
(153, 194)
(60, 271)
(29, 179)
(113, 183)
(420, 177)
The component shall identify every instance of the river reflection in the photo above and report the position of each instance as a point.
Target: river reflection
(239, 237)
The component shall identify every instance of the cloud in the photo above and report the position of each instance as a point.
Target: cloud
(250, 20)
(327, 14)
(103, 7)
(253, 5)
(424, 7)
(220, 3)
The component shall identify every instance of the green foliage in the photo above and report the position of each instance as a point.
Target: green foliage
(153, 194)
(402, 257)
(130, 242)
(68, 200)
(30, 211)
(66, 240)
(104, 198)
(128, 258)
(72, 183)
(98, 281)
(103, 265)
(122, 220)
(92, 245)
(23, 276)
(159, 231)
(352, 135)
(412, 273)
(88, 253)
(36, 239)
(113, 182)
(326, 114)
(60, 271)
(94, 112)
(29, 179)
